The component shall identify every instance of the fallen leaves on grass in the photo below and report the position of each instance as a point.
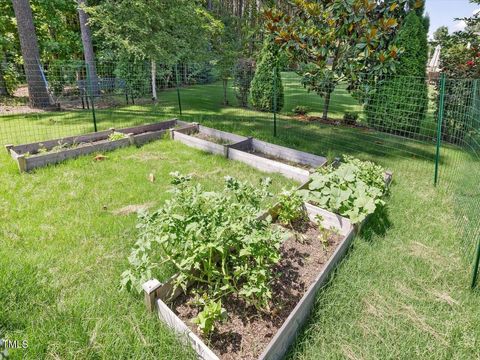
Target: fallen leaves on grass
(100, 157)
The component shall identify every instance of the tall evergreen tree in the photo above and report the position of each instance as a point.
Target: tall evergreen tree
(267, 81)
(400, 103)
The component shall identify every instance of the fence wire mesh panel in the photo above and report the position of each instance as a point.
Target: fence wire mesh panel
(427, 130)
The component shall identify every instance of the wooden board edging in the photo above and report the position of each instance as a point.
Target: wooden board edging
(271, 166)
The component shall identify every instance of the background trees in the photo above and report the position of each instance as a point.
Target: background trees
(37, 87)
(400, 103)
(267, 82)
(339, 41)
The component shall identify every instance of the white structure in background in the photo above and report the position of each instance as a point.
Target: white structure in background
(433, 66)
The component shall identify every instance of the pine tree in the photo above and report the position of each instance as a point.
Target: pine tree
(267, 76)
(400, 103)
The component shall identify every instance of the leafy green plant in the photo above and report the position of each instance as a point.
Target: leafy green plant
(214, 239)
(291, 208)
(353, 190)
(211, 313)
(116, 136)
(350, 118)
(301, 110)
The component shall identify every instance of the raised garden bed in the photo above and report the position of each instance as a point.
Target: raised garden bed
(294, 164)
(39, 154)
(308, 256)
(303, 270)
(261, 155)
(207, 139)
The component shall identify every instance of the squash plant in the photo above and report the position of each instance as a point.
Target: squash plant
(354, 189)
(213, 239)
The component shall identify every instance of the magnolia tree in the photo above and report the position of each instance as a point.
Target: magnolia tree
(338, 40)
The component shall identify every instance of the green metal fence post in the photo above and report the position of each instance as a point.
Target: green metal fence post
(441, 104)
(91, 96)
(476, 266)
(178, 90)
(275, 101)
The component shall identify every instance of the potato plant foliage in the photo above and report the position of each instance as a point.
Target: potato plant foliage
(214, 239)
(354, 189)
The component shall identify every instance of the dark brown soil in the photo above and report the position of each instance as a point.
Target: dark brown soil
(246, 332)
(212, 139)
(286, 162)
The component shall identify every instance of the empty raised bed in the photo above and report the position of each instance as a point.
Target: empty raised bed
(261, 155)
(207, 139)
(39, 154)
(291, 163)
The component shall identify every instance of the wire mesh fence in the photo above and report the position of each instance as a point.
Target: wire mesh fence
(432, 126)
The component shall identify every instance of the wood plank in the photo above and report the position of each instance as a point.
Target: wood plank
(278, 346)
(142, 139)
(57, 157)
(199, 143)
(245, 145)
(288, 154)
(233, 138)
(33, 147)
(271, 166)
(187, 335)
(164, 125)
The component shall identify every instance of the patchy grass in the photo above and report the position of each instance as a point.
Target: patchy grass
(402, 292)
(66, 234)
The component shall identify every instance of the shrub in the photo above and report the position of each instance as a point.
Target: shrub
(216, 234)
(400, 102)
(350, 118)
(353, 190)
(262, 91)
(301, 110)
(242, 78)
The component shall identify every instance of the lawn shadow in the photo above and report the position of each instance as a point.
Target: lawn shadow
(376, 225)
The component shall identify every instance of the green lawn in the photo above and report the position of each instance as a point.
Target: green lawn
(402, 292)
(63, 250)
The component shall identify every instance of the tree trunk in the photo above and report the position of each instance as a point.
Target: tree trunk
(326, 105)
(225, 84)
(37, 87)
(3, 85)
(328, 96)
(154, 80)
(88, 52)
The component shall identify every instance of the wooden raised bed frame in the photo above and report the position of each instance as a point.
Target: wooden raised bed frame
(90, 143)
(157, 294)
(240, 147)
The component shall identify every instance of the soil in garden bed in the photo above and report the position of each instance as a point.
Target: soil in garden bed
(286, 162)
(212, 139)
(247, 332)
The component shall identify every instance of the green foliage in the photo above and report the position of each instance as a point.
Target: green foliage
(460, 62)
(164, 30)
(212, 238)
(350, 118)
(267, 82)
(356, 35)
(400, 103)
(116, 136)
(353, 190)
(211, 313)
(291, 208)
(242, 79)
(301, 110)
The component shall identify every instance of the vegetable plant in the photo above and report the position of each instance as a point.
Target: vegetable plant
(291, 208)
(354, 189)
(212, 312)
(213, 239)
(116, 136)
